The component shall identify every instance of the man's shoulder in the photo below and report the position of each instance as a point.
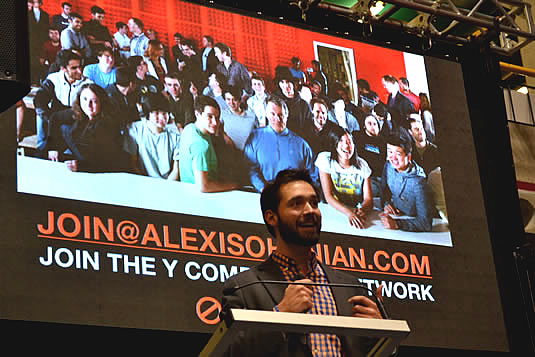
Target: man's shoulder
(141, 37)
(401, 97)
(298, 140)
(417, 177)
(67, 30)
(63, 115)
(91, 68)
(432, 146)
(338, 276)
(138, 124)
(236, 64)
(302, 103)
(55, 77)
(112, 91)
(389, 170)
(194, 137)
(242, 278)
(259, 132)
(136, 128)
(172, 134)
(189, 130)
(249, 275)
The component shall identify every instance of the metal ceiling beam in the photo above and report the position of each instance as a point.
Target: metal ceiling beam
(503, 24)
(349, 13)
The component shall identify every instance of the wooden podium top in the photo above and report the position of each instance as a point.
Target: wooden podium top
(389, 332)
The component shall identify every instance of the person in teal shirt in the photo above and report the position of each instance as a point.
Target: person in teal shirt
(198, 159)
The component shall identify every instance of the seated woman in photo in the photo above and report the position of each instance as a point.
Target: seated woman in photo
(345, 178)
(85, 136)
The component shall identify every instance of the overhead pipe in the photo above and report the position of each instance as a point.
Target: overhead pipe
(508, 67)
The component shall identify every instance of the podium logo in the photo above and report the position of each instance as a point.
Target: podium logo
(208, 309)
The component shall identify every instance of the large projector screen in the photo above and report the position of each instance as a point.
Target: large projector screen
(128, 250)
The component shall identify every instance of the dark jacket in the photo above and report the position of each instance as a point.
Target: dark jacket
(94, 143)
(318, 141)
(266, 296)
(125, 110)
(372, 149)
(299, 113)
(38, 31)
(429, 160)
(211, 61)
(182, 109)
(399, 107)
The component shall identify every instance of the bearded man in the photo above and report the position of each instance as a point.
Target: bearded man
(290, 208)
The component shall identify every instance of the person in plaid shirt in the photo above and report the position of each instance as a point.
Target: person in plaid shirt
(292, 215)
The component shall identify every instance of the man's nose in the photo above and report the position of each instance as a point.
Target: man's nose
(309, 208)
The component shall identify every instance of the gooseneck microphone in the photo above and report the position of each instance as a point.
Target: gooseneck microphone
(380, 305)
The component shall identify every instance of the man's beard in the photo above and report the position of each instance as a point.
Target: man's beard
(291, 235)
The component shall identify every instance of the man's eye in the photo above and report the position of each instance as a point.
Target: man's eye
(296, 203)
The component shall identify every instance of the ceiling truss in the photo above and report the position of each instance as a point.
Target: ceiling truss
(507, 25)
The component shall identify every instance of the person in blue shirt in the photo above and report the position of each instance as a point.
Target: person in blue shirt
(274, 148)
(102, 73)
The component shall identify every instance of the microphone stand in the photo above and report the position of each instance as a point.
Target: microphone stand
(380, 305)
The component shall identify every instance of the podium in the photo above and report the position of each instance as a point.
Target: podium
(389, 332)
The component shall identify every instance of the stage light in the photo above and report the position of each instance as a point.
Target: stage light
(377, 7)
(523, 90)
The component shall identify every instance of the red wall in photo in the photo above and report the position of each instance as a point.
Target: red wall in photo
(258, 44)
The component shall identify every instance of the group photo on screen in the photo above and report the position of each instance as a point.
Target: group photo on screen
(220, 103)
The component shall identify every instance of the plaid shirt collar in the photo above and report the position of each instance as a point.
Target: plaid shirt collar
(323, 302)
(289, 268)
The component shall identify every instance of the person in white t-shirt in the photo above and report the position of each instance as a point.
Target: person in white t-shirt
(153, 147)
(345, 178)
(122, 39)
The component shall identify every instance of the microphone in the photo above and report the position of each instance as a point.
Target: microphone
(380, 305)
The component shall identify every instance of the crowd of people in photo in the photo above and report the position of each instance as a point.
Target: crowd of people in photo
(124, 102)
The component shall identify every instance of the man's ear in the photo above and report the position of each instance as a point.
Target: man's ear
(271, 218)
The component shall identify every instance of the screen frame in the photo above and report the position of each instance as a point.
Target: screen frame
(481, 74)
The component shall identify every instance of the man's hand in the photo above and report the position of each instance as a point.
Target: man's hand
(355, 220)
(365, 307)
(389, 209)
(53, 155)
(72, 165)
(297, 298)
(388, 222)
(360, 213)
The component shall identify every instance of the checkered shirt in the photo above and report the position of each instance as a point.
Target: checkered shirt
(323, 300)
